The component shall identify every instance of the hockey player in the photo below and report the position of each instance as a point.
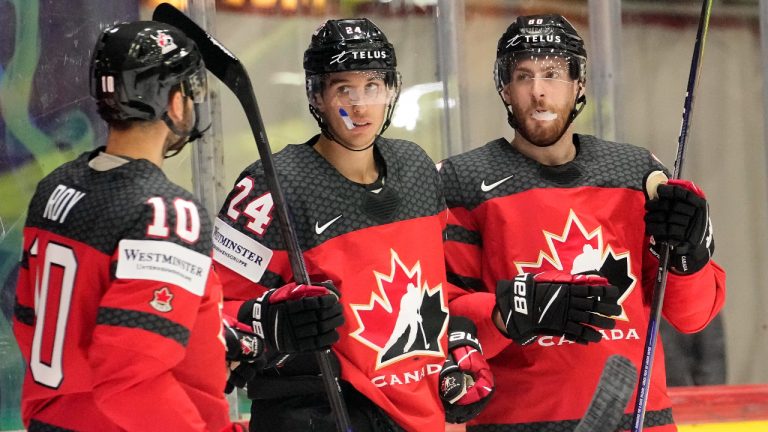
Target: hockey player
(117, 309)
(533, 218)
(369, 216)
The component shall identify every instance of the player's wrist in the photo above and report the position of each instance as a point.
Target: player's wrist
(498, 322)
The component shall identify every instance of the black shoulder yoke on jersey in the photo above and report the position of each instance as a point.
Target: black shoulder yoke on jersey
(497, 169)
(317, 193)
(115, 205)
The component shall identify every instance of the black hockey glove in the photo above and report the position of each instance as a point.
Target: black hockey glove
(466, 381)
(244, 353)
(680, 217)
(241, 344)
(556, 303)
(295, 318)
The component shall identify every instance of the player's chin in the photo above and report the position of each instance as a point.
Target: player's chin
(359, 137)
(541, 137)
(543, 133)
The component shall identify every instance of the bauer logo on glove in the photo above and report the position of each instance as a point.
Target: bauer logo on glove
(466, 381)
(295, 318)
(556, 303)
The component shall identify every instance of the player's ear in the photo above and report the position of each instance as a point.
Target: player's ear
(176, 104)
(505, 94)
(318, 102)
(582, 90)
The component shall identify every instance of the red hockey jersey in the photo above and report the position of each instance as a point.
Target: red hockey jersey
(381, 247)
(511, 215)
(117, 312)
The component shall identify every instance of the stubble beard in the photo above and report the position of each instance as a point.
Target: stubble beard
(174, 142)
(543, 134)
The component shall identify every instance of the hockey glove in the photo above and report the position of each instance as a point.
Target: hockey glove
(295, 318)
(680, 217)
(556, 303)
(244, 353)
(241, 344)
(466, 381)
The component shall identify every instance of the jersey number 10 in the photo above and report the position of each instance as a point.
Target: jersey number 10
(54, 288)
(47, 370)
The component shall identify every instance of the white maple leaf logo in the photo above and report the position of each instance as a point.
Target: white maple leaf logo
(577, 249)
(404, 317)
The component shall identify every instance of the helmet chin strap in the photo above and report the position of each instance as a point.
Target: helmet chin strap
(578, 106)
(328, 134)
(185, 137)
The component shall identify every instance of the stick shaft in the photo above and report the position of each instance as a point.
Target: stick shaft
(228, 68)
(657, 298)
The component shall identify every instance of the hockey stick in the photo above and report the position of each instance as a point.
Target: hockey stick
(424, 335)
(657, 299)
(228, 68)
(611, 396)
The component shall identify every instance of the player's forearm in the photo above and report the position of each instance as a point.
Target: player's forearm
(480, 308)
(692, 301)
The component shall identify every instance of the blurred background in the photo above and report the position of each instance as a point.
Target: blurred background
(639, 60)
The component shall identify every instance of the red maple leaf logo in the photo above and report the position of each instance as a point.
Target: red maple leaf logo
(163, 295)
(577, 250)
(378, 319)
(164, 41)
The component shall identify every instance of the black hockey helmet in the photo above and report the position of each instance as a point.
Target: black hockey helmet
(136, 65)
(349, 45)
(540, 34)
(537, 37)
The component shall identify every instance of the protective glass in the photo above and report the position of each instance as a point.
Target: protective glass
(524, 69)
(357, 88)
(196, 86)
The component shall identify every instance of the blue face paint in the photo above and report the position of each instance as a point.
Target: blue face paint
(347, 120)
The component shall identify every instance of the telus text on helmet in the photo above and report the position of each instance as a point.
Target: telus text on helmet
(533, 39)
(358, 55)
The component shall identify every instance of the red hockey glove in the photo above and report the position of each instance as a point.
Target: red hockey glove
(680, 217)
(295, 318)
(556, 303)
(466, 381)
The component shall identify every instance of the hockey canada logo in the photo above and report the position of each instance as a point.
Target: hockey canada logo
(577, 250)
(165, 42)
(404, 318)
(161, 300)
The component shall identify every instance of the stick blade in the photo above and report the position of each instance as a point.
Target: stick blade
(611, 396)
(218, 59)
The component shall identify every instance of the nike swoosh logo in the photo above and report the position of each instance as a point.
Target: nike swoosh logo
(549, 303)
(320, 229)
(487, 188)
